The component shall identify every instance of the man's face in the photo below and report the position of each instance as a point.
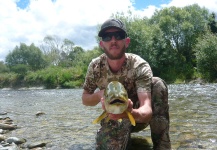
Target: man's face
(113, 44)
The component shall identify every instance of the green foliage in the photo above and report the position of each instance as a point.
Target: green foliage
(69, 74)
(167, 39)
(212, 23)
(73, 84)
(73, 57)
(63, 53)
(206, 53)
(47, 77)
(53, 77)
(180, 28)
(8, 79)
(139, 33)
(88, 56)
(3, 67)
(25, 57)
(56, 50)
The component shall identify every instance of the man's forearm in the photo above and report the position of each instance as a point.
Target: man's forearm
(142, 114)
(91, 99)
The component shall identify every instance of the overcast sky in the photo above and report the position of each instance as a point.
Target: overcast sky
(29, 21)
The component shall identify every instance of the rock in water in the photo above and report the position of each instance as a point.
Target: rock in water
(15, 140)
(2, 137)
(12, 146)
(3, 113)
(7, 127)
(39, 113)
(36, 144)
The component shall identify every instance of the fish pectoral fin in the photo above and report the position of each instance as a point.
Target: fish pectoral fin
(102, 116)
(130, 116)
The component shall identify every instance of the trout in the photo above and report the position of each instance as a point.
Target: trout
(116, 102)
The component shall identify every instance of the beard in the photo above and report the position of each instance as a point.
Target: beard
(117, 56)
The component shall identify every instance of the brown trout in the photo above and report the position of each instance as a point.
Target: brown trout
(116, 102)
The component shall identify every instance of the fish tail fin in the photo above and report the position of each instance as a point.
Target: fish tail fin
(97, 120)
(130, 116)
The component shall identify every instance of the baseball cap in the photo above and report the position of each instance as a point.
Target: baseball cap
(112, 23)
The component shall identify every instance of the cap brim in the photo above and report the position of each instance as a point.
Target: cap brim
(101, 32)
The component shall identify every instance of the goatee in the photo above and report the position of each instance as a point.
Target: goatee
(115, 57)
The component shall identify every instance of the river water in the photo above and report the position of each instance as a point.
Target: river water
(66, 124)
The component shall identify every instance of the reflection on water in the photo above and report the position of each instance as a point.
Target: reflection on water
(66, 123)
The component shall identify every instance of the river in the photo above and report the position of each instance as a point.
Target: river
(66, 124)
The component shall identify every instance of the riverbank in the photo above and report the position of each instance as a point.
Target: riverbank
(41, 86)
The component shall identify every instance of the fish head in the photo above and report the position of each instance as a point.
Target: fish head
(115, 98)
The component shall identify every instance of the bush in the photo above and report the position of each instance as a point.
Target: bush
(20, 69)
(3, 67)
(8, 79)
(53, 77)
(206, 53)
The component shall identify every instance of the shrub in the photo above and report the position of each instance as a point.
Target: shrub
(206, 54)
(8, 79)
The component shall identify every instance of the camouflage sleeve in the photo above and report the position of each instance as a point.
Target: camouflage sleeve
(143, 77)
(89, 83)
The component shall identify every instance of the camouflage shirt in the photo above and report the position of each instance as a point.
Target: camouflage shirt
(135, 75)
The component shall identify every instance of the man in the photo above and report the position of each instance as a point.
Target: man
(148, 96)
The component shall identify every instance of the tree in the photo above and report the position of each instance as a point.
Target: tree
(167, 39)
(56, 49)
(206, 53)
(212, 23)
(181, 27)
(28, 57)
(74, 56)
(3, 67)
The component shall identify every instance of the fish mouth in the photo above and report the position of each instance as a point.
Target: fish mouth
(117, 101)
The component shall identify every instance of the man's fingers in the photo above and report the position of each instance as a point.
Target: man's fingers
(130, 105)
(102, 102)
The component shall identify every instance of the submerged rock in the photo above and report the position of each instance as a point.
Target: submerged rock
(2, 137)
(3, 113)
(39, 113)
(15, 140)
(11, 146)
(36, 144)
(7, 126)
(7, 120)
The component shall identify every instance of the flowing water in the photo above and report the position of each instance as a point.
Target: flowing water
(66, 124)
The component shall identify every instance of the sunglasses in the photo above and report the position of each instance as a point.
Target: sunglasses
(119, 35)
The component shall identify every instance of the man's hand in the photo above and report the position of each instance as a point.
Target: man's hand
(99, 93)
(102, 102)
